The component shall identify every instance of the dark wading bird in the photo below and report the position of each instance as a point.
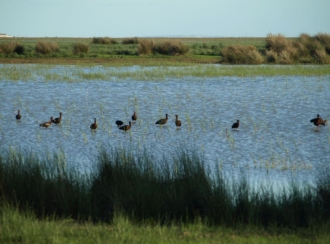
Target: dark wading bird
(318, 121)
(126, 127)
(58, 120)
(47, 124)
(177, 121)
(119, 123)
(18, 115)
(162, 121)
(235, 125)
(94, 125)
(134, 116)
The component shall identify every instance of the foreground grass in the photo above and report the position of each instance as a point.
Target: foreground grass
(25, 227)
(180, 190)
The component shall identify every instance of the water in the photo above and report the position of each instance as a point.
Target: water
(275, 138)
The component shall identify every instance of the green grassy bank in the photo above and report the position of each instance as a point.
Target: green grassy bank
(24, 227)
(273, 49)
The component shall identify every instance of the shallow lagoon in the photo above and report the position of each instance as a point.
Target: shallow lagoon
(275, 139)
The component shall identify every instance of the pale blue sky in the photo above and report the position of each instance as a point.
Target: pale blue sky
(163, 18)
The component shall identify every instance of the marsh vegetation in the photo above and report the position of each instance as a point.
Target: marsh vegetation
(267, 175)
(273, 49)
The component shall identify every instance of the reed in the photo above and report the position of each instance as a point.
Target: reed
(178, 189)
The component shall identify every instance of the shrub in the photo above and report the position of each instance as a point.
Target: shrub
(171, 48)
(276, 43)
(103, 40)
(302, 50)
(236, 54)
(130, 41)
(46, 47)
(79, 48)
(19, 49)
(271, 56)
(8, 48)
(324, 39)
(321, 56)
(145, 47)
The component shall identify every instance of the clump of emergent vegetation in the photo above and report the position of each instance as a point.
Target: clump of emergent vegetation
(80, 48)
(145, 47)
(172, 48)
(273, 49)
(177, 190)
(104, 40)
(8, 48)
(130, 41)
(46, 47)
(235, 54)
(305, 49)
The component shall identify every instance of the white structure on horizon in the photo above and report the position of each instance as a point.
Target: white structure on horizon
(4, 35)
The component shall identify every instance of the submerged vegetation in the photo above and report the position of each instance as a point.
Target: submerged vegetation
(277, 49)
(93, 72)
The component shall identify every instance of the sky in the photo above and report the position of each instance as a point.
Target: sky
(163, 18)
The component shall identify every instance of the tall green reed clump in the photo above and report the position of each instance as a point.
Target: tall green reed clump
(179, 189)
(44, 185)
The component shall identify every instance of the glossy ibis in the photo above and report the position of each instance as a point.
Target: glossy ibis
(94, 125)
(126, 127)
(18, 115)
(47, 124)
(162, 121)
(177, 121)
(235, 125)
(119, 123)
(58, 120)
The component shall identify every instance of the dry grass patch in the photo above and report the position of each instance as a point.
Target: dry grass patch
(79, 48)
(235, 54)
(46, 47)
(145, 47)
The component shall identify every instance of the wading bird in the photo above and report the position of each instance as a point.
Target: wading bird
(18, 115)
(47, 124)
(134, 116)
(318, 121)
(119, 123)
(235, 125)
(177, 121)
(94, 125)
(58, 120)
(162, 121)
(126, 127)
